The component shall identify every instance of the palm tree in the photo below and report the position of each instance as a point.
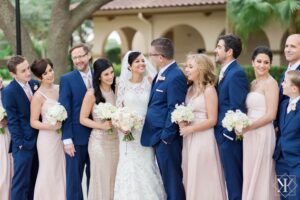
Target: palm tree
(248, 16)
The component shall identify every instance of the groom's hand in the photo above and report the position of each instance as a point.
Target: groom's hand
(70, 149)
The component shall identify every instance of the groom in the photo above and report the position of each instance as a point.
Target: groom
(169, 88)
(232, 93)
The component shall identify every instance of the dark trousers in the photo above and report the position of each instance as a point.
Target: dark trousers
(169, 160)
(25, 173)
(231, 153)
(74, 172)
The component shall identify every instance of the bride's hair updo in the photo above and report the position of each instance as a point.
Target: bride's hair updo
(99, 66)
(39, 66)
(132, 56)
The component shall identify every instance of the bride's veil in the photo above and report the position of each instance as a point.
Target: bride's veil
(126, 73)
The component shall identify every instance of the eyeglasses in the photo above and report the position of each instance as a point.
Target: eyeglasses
(155, 54)
(79, 57)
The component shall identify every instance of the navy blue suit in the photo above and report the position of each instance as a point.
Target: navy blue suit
(165, 94)
(282, 97)
(287, 150)
(232, 93)
(23, 139)
(71, 93)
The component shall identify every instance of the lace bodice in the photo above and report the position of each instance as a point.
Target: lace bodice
(134, 95)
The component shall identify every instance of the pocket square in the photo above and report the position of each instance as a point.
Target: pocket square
(228, 137)
(158, 90)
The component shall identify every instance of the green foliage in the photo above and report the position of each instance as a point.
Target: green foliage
(113, 55)
(5, 48)
(248, 16)
(4, 73)
(117, 69)
(274, 71)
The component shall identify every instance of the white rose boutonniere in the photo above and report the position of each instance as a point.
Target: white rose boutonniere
(293, 106)
(35, 87)
(161, 78)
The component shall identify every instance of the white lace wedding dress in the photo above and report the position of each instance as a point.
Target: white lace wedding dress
(138, 175)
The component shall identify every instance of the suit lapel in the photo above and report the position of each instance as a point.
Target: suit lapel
(231, 66)
(290, 115)
(33, 86)
(20, 90)
(79, 77)
(155, 83)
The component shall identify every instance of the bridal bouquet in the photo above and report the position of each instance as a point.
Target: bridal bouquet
(236, 120)
(182, 113)
(127, 120)
(56, 114)
(2, 116)
(105, 111)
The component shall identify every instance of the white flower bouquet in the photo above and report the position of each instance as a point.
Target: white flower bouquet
(236, 120)
(105, 111)
(127, 120)
(56, 114)
(182, 113)
(2, 116)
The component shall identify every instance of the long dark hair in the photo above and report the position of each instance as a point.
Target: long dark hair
(99, 66)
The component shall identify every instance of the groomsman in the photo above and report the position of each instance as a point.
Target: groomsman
(16, 100)
(292, 55)
(232, 93)
(287, 151)
(73, 87)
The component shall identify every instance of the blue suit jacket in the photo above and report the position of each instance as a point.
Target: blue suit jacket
(165, 94)
(17, 107)
(288, 143)
(232, 93)
(71, 93)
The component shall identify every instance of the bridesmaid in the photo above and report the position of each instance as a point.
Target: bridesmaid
(103, 148)
(259, 137)
(202, 171)
(5, 158)
(51, 178)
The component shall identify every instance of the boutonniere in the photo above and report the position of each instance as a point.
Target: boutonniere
(35, 87)
(161, 78)
(293, 107)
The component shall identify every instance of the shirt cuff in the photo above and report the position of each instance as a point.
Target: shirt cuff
(67, 141)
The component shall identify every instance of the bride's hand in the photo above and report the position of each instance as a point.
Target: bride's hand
(124, 132)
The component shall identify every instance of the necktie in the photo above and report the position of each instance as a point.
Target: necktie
(86, 81)
(28, 92)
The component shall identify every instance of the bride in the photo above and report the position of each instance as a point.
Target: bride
(138, 176)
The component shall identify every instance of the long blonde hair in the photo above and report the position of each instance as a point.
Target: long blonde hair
(206, 70)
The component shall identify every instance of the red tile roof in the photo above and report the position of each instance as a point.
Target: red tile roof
(142, 4)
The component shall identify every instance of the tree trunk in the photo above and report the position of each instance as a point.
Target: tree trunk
(63, 22)
(8, 25)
